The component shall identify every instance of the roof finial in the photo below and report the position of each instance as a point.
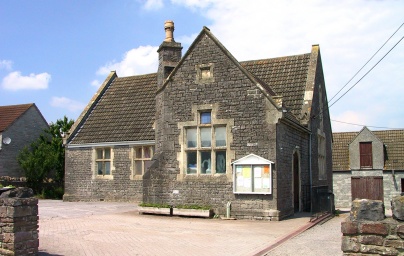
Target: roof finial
(169, 28)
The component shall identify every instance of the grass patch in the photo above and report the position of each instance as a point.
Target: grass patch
(9, 186)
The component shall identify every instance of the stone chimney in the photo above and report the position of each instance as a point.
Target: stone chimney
(169, 53)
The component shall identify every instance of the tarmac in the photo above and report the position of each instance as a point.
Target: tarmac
(109, 228)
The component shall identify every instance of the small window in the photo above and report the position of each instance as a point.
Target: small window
(220, 136)
(220, 161)
(191, 163)
(206, 137)
(142, 159)
(205, 117)
(103, 161)
(206, 162)
(191, 138)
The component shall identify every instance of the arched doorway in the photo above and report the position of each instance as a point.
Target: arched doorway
(296, 183)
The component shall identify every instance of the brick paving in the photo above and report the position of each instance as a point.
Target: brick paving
(100, 228)
(322, 239)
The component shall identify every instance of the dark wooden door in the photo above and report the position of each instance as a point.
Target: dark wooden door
(370, 187)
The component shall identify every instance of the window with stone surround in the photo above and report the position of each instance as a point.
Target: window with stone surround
(141, 159)
(205, 144)
(103, 162)
(322, 167)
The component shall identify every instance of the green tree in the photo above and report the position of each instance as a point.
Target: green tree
(44, 158)
(57, 131)
(37, 160)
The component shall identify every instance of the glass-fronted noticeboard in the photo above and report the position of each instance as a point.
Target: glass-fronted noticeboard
(252, 175)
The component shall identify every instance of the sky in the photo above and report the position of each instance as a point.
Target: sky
(56, 54)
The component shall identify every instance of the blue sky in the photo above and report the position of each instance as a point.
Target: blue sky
(57, 53)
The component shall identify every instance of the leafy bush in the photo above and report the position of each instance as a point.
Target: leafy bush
(51, 193)
(194, 206)
(44, 159)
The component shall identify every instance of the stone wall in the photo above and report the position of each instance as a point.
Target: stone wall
(81, 183)
(228, 89)
(367, 232)
(18, 222)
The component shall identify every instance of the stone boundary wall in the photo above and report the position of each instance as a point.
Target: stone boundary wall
(18, 222)
(368, 232)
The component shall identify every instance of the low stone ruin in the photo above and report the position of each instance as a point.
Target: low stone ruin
(367, 231)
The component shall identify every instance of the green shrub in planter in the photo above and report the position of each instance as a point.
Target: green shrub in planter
(156, 205)
(194, 206)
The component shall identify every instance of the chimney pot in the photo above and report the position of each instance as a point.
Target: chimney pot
(169, 29)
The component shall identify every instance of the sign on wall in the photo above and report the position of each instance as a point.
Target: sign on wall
(252, 175)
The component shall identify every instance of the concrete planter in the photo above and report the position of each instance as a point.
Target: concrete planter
(192, 212)
(154, 210)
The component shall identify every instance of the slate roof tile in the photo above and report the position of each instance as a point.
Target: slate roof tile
(286, 76)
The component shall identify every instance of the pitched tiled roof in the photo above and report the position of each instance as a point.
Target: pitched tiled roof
(125, 112)
(8, 114)
(340, 150)
(392, 139)
(286, 76)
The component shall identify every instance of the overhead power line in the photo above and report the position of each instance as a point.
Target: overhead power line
(366, 62)
(380, 127)
(329, 106)
(365, 73)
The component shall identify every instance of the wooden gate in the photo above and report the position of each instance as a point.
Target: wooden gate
(370, 187)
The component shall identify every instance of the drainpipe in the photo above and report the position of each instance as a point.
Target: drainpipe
(228, 206)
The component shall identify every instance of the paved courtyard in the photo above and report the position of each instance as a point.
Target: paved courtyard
(101, 228)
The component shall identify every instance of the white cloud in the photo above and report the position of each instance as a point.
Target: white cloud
(14, 81)
(66, 103)
(140, 60)
(153, 4)
(349, 118)
(194, 4)
(96, 83)
(348, 32)
(6, 64)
